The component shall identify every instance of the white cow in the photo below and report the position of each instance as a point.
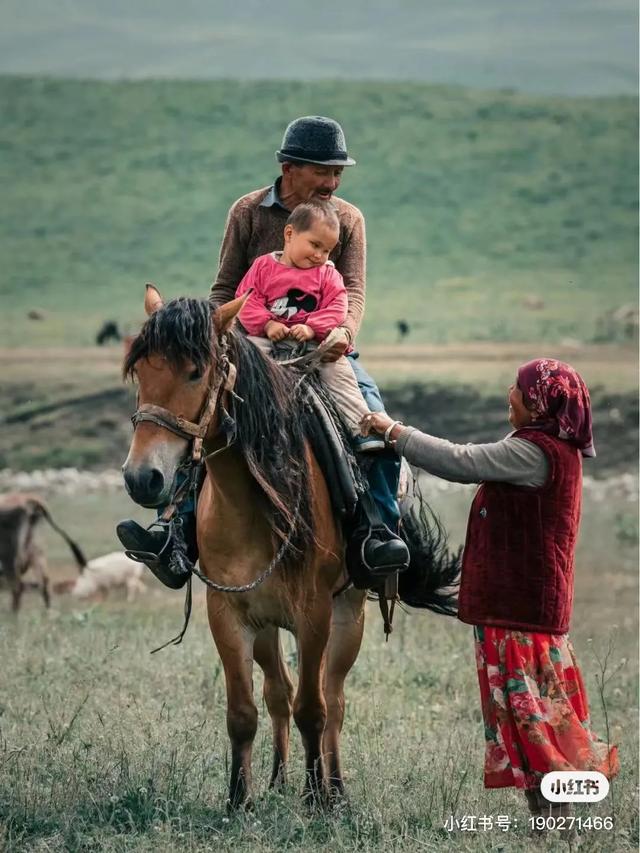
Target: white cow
(109, 572)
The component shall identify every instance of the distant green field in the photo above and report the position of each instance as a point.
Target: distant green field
(475, 202)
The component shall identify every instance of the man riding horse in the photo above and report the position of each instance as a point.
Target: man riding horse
(312, 157)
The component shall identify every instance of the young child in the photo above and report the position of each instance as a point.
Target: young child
(517, 576)
(298, 294)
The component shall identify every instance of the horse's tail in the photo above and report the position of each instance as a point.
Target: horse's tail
(433, 577)
(77, 552)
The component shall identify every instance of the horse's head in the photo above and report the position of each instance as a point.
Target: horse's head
(176, 363)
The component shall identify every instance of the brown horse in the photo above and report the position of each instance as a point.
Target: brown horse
(264, 497)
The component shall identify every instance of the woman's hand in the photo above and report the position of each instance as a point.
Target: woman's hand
(276, 331)
(375, 422)
(300, 332)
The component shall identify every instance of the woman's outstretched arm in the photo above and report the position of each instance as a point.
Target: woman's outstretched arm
(512, 460)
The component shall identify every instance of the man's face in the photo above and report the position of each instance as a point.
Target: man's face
(309, 181)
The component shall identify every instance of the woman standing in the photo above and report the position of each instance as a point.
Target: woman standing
(517, 575)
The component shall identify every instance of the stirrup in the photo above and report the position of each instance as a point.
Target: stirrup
(146, 557)
(383, 535)
(151, 557)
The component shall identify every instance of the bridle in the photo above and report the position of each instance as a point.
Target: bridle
(177, 424)
(188, 473)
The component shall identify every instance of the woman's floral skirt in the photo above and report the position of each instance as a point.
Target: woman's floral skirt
(535, 709)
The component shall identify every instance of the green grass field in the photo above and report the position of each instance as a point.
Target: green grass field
(475, 201)
(477, 204)
(104, 747)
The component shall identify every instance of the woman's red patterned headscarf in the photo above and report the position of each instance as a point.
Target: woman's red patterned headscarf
(560, 400)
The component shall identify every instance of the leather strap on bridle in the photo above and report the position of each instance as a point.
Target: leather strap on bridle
(165, 418)
(179, 425)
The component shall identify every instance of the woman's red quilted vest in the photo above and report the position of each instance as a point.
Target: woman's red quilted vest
(517, 567)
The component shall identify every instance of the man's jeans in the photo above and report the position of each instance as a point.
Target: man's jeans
(384, 473)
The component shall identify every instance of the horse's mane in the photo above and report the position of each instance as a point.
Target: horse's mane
(270, 422)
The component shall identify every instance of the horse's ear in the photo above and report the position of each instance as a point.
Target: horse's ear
(224, 316)
(152, 299)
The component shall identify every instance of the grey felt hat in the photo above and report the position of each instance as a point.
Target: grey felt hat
(314, 139)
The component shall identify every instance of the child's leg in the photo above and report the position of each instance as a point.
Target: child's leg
(263, 344)
(340, 380)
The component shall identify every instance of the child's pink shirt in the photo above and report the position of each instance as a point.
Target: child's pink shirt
(316, 297)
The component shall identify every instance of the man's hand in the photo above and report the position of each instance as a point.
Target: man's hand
(375, 422)
(276, 331)
(300, 332)
(340, 345)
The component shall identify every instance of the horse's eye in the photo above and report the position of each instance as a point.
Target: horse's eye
(195, 375)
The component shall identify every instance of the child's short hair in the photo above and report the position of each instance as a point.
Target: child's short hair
(304, 215)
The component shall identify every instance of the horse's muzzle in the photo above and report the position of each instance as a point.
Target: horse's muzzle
(145, 485)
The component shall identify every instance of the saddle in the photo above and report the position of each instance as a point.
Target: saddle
(327, 433)
(345, 471)
(335, 458)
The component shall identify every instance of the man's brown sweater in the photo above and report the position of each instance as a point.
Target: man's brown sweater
(253, 229)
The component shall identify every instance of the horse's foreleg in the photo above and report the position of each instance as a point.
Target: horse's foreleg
(344, 644)
(309, 707)
(278, 695)
(234, 642)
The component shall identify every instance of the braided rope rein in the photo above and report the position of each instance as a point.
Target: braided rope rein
(180, 563)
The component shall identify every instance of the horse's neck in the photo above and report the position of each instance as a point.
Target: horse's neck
(234, 489)
(233, 527)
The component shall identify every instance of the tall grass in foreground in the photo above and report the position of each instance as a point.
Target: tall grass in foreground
(104, 747)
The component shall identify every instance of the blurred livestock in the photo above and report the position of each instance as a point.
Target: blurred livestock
(105, 574)
(20, 514)
(403, 329)
(108, 331)
(618, 325)
(533, 303)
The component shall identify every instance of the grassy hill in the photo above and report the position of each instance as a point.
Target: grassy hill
(491, 216)
(576, 47)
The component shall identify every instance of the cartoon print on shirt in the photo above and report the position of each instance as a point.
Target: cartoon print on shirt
(295, 300)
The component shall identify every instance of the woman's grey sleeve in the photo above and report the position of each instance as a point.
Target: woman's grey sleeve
(512, 460)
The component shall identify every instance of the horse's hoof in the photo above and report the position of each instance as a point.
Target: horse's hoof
(339, 802)
(280, 788)
(234, 807)
(315, 801)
